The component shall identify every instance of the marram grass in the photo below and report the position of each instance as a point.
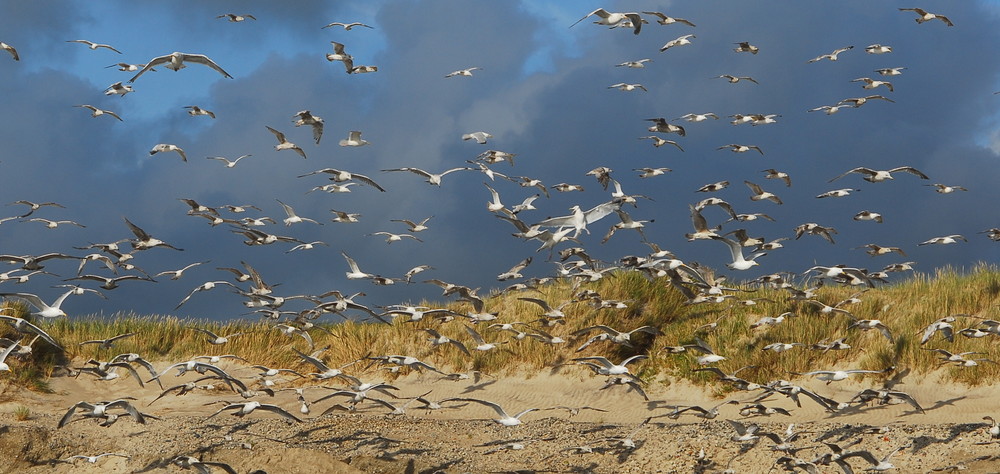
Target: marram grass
(906, 307)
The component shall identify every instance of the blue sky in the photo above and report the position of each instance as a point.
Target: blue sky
(542, 92)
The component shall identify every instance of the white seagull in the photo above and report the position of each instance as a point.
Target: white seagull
(614, 19)
(354, 139)
(680, 41)
(164, 147)
(505, 419)
(95, 112)
(43, 309)
(463, 72)
(736, 251)
(306, 117)
(284, 144)
(229, 164)
(92, 45)
(479, 137)
(175, 61)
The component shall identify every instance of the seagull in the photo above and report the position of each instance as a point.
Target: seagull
(838, 375)
(100, 410)
(229, 164)
(746, 47)
(175, 61)
(925, 16)
(305, 117)
(53, 224)
(482, 345)
(515, 271)
(661, 125)
(734, 79)
(355, 273)
(868, 216)
(876, 250)
(42, 309)
(667, 20)
(10, 49)
(877, 176)
(341, 176)
(437, 339)
(95, 112)
(877, 464)
(828, 109)
(165, 147)
(610, 334)
(92, 45)
(433, 179)
(215, 339)
(390, 237)
(505, 419)
(194, 110)
(354, 139)
(945, 189)
(236, 18)
(24, 326)
(651, 172)
(346, 26)
(93, 459)
(736, 251)
(143, 240)
(878, 49)
(566, 187)
(948, 239)
(637, 64)
(679, 41)
(292, 217)
(479, 137)
(614, 19)
(284, 144)
(890, 71)
(736, 148)
(339, 54)
(775, 174)
(837, 193)
(208, 285)
(658, 142)
(604, 366)
(346, 217)
(243, 409)
(3, 357)
(579, 219)
(627, 87)
(177, 274)
(832, 56)
(859, 101)
(870, 83)
(759, 193)
(494, 205)
(119, 89)
(699, 117)
(463, 72)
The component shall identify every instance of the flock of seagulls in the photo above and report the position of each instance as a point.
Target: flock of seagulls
(485, 329)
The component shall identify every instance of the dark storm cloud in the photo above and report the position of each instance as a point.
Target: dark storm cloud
(557, 114)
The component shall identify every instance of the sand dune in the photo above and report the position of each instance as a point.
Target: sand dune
(465, 439)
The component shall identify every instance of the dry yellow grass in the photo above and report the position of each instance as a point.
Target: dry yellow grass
(905, 307)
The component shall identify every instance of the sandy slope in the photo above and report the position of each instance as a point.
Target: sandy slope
(461, 439)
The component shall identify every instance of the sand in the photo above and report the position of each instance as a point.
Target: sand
(465, 439)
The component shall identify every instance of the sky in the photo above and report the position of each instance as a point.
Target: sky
(542, 92)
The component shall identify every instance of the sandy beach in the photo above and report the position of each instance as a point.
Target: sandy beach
(462, 437)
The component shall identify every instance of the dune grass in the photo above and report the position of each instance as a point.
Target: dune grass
(905, 307)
